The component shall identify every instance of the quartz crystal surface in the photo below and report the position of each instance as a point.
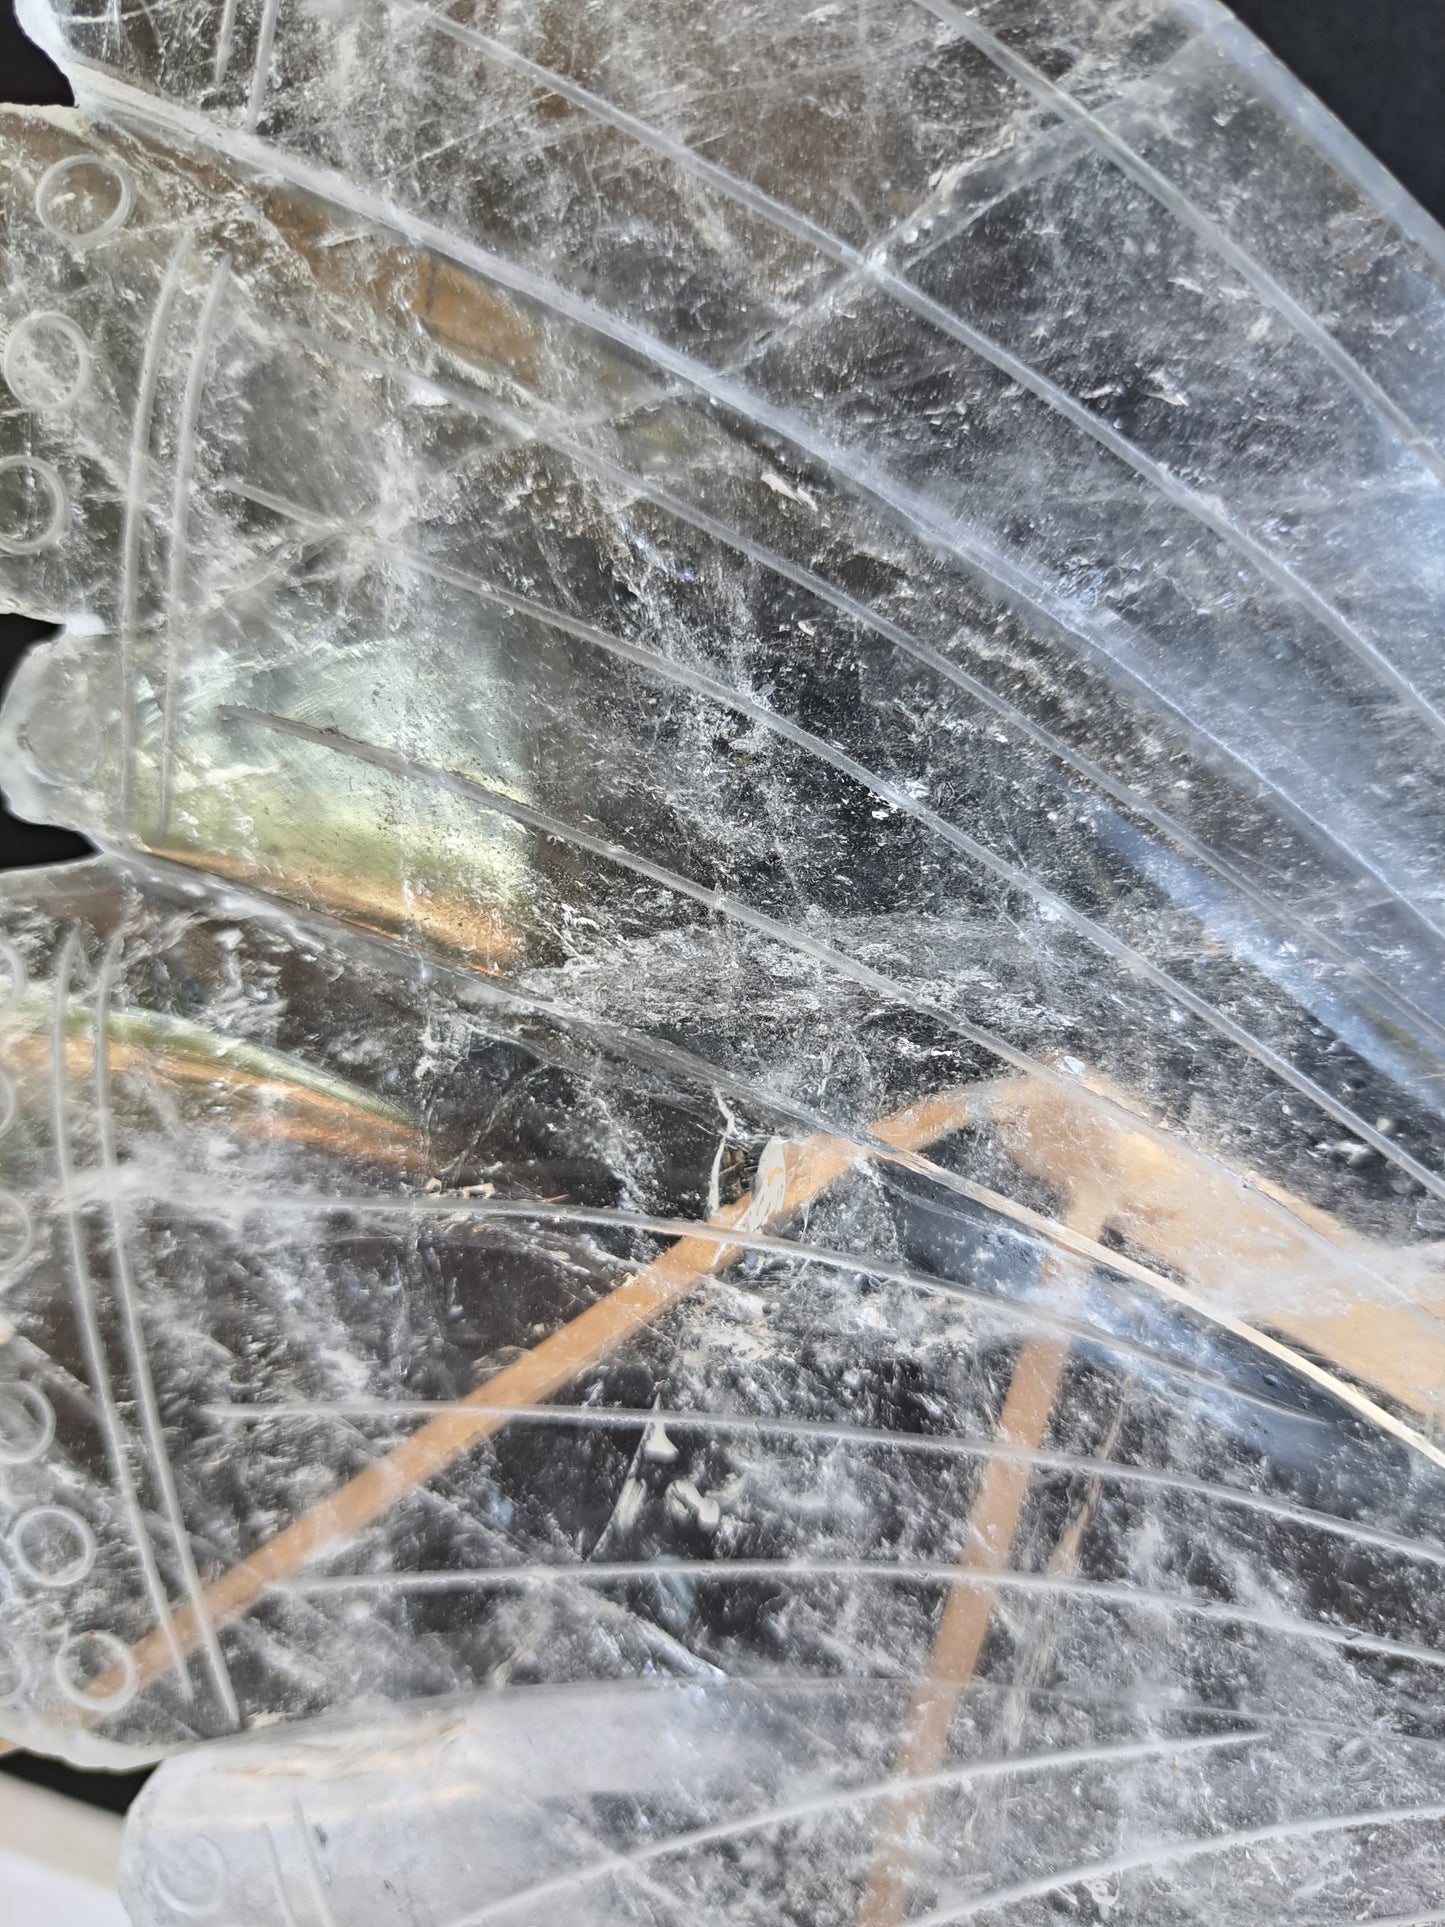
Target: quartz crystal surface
(725, 1201)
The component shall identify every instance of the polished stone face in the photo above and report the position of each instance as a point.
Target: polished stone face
(725, 1202)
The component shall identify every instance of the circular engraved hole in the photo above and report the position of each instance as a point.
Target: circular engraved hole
(16, 1231)
(47, 361)
(84, 199)
(34, 506)
(12, 976)
(95, 1671)
(63, 735)
(189, 1872)
(52, 1545)
(27, 1424)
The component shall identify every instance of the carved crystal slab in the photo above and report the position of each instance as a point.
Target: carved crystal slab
(757, 1046)
(722, 1802)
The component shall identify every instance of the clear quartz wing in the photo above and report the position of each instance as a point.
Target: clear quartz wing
(756, 1047)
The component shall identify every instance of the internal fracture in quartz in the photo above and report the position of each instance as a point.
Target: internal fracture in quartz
(725, 1200)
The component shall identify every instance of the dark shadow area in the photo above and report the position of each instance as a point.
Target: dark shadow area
(28, 78)
(113, 1792)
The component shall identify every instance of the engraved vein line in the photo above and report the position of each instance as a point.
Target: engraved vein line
(680, 1907)
(894, 1572)
(261, 71)
(1171, 1850)
(920, 513)
(948, 322)
(977, 853)
(127, 1300)
(89, 1326)
(1144, 1705)
(312, 1863)
(1172, 198)
(723, 904)
(224, 41)
(762, 1425)
(1012, 1313)
(176, 611)
(1047, 155)
(908, 644)
(1394, 1920)
(278, 1876)
(973, 1773)
(135, 500)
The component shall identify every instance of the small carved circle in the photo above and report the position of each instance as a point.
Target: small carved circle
(17, 1234)
(63, 735)
(96, 1659)
(27, 1424)
(52, 1545)
(47, 361)
(12, 976)
(189, 1871)
(84, 199)
(34, 505)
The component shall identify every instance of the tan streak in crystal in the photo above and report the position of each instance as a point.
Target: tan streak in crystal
(1167, 1200)
(487, 940)
(958, 1645)
(246, 1100)
(811, 1167)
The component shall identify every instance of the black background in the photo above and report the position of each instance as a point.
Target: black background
(1379, 64)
